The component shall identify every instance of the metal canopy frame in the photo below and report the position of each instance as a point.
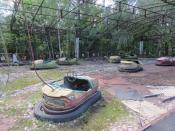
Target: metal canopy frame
(148, 17)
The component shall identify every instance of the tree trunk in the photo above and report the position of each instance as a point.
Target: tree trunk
(47, 41)
(51, 45)
(4, 47)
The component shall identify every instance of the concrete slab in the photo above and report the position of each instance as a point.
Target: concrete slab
(145, 108)
(167, 91)
(130, 94)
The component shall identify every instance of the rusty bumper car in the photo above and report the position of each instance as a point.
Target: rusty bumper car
(68, 99)
(165, 61)
(130, 66)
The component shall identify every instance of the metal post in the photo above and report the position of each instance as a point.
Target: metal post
(77, 44)
(77, 39)
(141, 47)
(59, 43)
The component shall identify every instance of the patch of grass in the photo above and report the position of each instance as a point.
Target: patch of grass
(18, 105)
(19, 84)
(22, 102)
(33, 125)
(30, 79)
(23, 99)
(13, 111)
(99, 117)
(34, 97)
(51, 74)
(22, 124)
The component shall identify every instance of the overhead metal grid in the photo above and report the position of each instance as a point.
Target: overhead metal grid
(148, 15)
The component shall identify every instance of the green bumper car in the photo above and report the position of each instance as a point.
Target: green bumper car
(66, 61)
(114, 59)
(130, 66)
(41, 64)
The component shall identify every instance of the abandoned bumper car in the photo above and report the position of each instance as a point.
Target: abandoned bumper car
(67, 61)
(165, 61)
(114, 59)
(41, 64)
(130, 66)
(68, 99)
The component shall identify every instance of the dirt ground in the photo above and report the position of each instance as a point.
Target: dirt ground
(114, 82)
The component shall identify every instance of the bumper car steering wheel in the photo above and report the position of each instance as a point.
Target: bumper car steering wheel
(71, 76)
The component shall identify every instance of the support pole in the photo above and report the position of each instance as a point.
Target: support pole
(59, 44)
(77, 45)
(141, 47)
(77, 39)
